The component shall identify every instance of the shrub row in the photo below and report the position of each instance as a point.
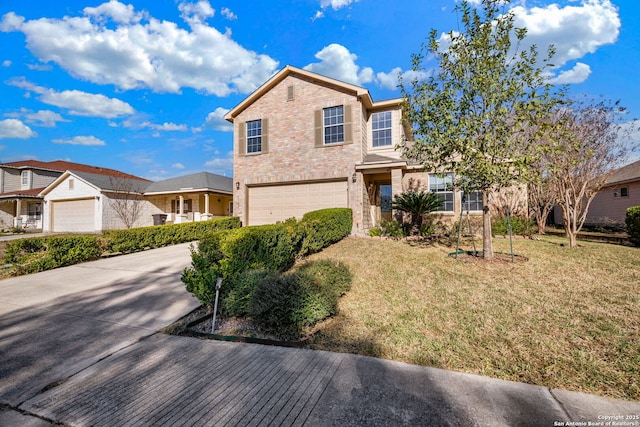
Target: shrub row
(250, 258)
(633, 225)
(137, 239)
(44, 253)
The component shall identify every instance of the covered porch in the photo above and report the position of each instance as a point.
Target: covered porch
(21, 209)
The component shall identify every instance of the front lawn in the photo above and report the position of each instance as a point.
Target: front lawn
(566, 318)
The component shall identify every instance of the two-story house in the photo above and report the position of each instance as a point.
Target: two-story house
(303, 141)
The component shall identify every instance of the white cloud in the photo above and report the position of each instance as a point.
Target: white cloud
(77, 102)
(81, 140)
(336, 61)
(177, 166)
(165, 126)
(227, 13)
(221, 165)
(574, 31)
(13, 128)
(138, 51)
(216, 120)
(336, 4)
(6, 63)
(44, 118)
(389, 80)
(577, 74)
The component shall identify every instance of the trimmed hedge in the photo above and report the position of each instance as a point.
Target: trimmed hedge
(44, 253)
(252, 260)
(137, 239)
(633, 224)
(324, 227)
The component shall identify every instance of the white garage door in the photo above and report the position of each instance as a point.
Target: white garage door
(269, 204)
(74, 216)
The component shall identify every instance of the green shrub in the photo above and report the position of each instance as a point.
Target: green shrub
(375, 232)
(137, 239)
(632, 221)
(237, 301)
(45, 253)
(391, 228)
(520, 226)
(285, 304)
(324, 227)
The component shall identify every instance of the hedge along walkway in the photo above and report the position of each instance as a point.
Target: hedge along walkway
(30, 255)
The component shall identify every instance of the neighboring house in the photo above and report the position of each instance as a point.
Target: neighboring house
(89, 203)
(621, 191)
(21, 183)
(303, 141)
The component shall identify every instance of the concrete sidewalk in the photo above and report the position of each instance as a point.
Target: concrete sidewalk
(92, 357)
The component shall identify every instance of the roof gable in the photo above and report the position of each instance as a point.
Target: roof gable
(358, 91)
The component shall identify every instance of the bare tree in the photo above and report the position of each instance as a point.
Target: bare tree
(584, 147)
(127, 199)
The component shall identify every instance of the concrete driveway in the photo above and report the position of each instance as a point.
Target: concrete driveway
(78, 347)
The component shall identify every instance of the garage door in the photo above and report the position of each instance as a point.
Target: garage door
(74, 216)
(269, 204)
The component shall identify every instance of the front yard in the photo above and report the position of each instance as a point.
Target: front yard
(565, 318)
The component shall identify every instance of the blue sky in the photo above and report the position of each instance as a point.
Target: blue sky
(142, 86)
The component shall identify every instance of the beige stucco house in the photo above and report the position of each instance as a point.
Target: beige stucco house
(303, 141)
(85, 202)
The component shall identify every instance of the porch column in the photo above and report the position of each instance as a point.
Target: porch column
(206, 215)
(181, 216)
(396, 188)
(17, 220)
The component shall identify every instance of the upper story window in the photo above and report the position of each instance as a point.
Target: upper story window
(621, 192)
(443, 186)
(254, 136)
(381, 125)
(25, 179)
(333, 124)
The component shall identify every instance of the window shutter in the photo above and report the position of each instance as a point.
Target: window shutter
(242, 140)
(290, 93)
(265, 136)
(318, 128)
(348, 127)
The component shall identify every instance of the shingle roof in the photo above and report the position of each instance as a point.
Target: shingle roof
(114, 183)
(33, 192)
(62, 166)
(630, 172)
(198, 181)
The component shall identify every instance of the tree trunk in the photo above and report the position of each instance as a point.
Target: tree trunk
(487, 243)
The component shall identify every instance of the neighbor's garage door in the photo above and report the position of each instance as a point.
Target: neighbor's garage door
(269, 204)
(74, 216)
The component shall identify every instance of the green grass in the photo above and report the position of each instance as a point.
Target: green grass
(566, 318)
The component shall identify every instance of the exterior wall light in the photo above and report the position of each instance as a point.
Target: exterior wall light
(354, 177)
(237, 185)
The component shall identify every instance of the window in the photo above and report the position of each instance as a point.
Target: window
(381, 124)
(333, 124)
(472, 201)
(25, 179)
(71, 184)
(186, 206)
(35, 211)
(621, 192)
(254, 136)
(443, 186)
